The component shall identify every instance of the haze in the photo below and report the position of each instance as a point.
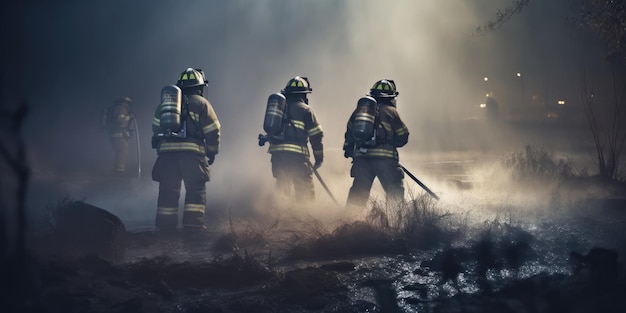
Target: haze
(71, 59)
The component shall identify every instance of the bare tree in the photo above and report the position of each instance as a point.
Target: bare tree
(13, 256)
(604, 18)
(502, 16)
(607, 20)
(607, 128)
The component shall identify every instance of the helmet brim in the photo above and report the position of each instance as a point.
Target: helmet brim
(295, 92)
(382, 95)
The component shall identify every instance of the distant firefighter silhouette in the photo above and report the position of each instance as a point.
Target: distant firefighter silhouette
(492, 107)
(118, 120)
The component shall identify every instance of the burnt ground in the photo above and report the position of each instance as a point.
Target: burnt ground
(355, 268)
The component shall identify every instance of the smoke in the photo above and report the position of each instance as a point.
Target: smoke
(74, 58)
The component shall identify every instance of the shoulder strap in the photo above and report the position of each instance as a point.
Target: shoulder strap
(187, 115)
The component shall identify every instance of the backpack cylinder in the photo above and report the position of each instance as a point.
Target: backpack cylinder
(364, 119)
(170, 108)
(274, 113)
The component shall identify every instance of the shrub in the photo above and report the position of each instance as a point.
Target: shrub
(539, 165)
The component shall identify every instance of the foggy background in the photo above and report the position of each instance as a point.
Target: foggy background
(71, 59)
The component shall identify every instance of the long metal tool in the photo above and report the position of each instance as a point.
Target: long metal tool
(418, 182)
(138, 148)
(322, 182)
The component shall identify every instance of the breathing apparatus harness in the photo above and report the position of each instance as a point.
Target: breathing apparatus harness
(281, 136)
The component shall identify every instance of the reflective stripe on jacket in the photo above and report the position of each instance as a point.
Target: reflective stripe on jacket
(391, 133)
(300, 127)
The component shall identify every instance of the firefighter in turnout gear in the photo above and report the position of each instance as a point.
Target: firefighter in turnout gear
(289, 151)
(117, 120)
(185, 155)
(375, 155)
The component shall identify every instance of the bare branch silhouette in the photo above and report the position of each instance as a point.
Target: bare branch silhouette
(14, 257)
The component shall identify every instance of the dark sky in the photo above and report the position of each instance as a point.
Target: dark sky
(70, 59)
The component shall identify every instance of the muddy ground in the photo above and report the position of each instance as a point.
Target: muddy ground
(551, 267)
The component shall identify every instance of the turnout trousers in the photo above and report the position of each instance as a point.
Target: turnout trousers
(169, 170)
(120, 148)
(364, 170)
(292, 169)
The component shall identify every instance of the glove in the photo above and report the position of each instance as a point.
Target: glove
(348, 150)
(317, 164)
(211, 158)
(262, 140)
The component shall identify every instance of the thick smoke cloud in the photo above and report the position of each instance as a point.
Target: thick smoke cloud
(73, 58)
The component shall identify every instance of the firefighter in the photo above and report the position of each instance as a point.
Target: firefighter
(186, 158)
(377, 158)
(289, 150)
(117, 120)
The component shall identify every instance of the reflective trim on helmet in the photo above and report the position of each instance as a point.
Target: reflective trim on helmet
(190, 76)
(384, 88)
(296, 83)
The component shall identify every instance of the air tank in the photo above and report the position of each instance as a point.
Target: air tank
(170, 108)
(364, 119)
(273, 122)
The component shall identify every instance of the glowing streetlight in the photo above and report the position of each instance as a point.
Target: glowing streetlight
(560, 102)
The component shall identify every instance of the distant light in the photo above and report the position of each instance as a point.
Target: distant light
(518, 74)
(551, 115)
(486, 78)
(483, 105)
(561, 102)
